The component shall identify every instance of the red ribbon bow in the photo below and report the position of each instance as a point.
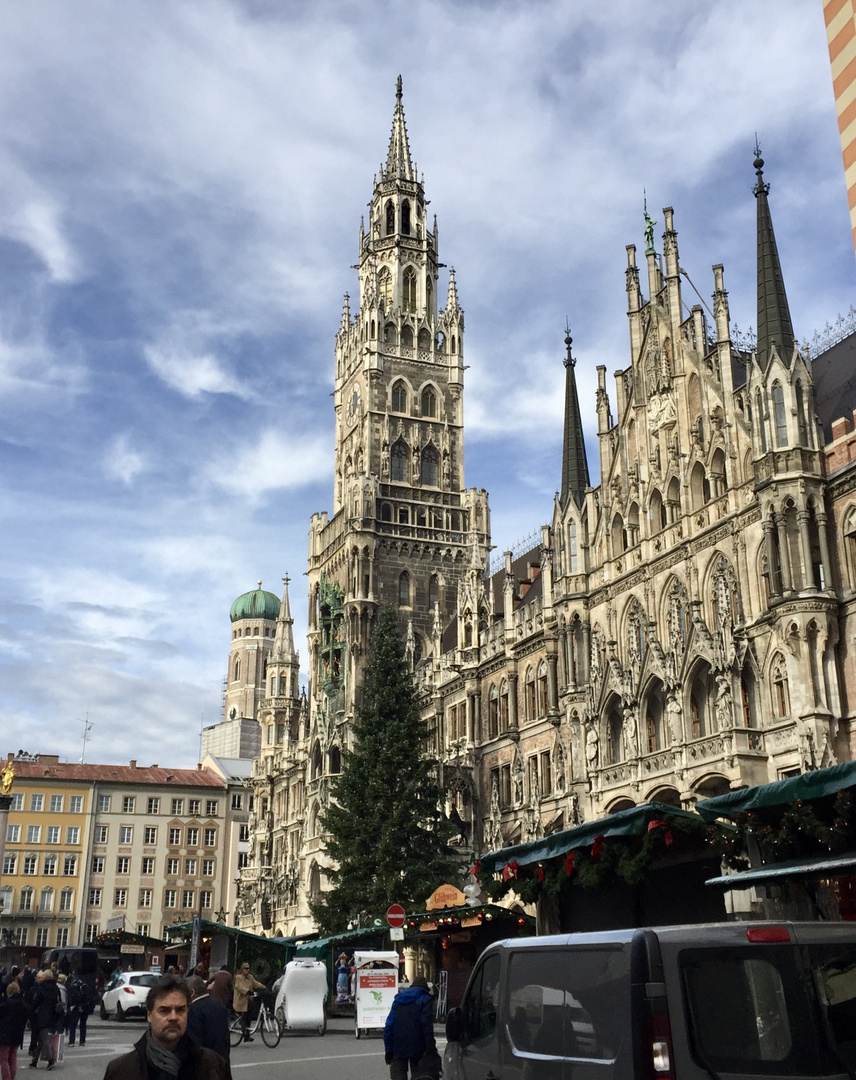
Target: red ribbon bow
(569, 863)
(597, 846)
(509, 871)
(667, 834)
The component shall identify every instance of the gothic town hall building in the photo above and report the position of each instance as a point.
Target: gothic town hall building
(684, 626)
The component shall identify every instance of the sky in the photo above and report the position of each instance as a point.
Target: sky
(181, 186)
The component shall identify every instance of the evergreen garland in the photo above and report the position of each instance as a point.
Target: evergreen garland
(387, 834)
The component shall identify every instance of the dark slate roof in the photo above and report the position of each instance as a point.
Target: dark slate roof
(834, 373)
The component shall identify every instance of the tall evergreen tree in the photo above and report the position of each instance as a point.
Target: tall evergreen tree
(386, 829)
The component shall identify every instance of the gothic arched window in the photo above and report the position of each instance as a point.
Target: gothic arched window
(404, 590)
(405, 218)
(399, 397)
(429, 402)
(409, 300)
(573, 562)
(317, 761)
(430, 466)
(384, 288)
(779, 415)
(779, 681)
(237, 674)
(398, 458)
(492, 713)
(759, 419)
(406, 337)
(390, 218)
(433, 591)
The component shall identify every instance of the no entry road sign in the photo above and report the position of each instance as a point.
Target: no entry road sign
(395, 915)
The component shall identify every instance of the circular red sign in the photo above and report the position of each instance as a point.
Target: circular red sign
(395, 915)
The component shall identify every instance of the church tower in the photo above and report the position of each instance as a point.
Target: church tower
(404, 529)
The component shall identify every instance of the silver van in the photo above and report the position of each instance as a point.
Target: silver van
(697, 1002)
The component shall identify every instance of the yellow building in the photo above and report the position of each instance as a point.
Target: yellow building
(97, 847)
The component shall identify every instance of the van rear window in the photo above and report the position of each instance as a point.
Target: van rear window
(568, 1004)
(776, 1011)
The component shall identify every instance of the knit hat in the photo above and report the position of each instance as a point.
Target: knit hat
(420, 981)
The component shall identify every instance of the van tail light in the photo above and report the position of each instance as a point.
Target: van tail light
(768, 934)
(658, 1038)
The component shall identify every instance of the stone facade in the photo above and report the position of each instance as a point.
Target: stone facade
(680, 627)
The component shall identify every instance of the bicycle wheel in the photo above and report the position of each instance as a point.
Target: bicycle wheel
(269, 1029)
(236, 1031)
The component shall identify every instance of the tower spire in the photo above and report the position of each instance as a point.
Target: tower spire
(774, 316)
(575, 474)
(283, 647)
(398, 163)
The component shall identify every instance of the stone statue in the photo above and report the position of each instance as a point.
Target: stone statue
(673, 718)
(591, 748)
(722, 706)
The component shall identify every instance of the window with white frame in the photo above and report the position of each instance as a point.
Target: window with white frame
(126, 834)
(194, 806)
(13, 834)
(97, 864)
(66, 900)
(72, 834)
(208, 868)
(192, 836)
(145, 897)
(69, 866)
(43, 936)
(237, 800)
(190, 867)
(143, 929)
(25, 902)
(56, 804)
(37, 803)
(174, 837)
(128, 804)
(177, 807)
(75, 804)
(91, 931)
(20, 935)
(34, 834)
(150, 835)
(211, 808)
(123, 865)
(120, 897)
(46, 899)
(169, 896)
(205, 899)
(52, 834)
(49, 865)
(153, 806)
(104, 803)
(10, 865)
(17, 804)
(30, 865)
(210, 837)
(95, 897)
(148, 866)
(187, 898)
(100, 834)
(243, 859)
(62, 937)
(172, 867)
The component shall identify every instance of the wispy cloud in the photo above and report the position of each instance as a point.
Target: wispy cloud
(193, 375)
(274, 461)
(123, 463)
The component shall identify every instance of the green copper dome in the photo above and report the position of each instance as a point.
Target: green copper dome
(256, 604)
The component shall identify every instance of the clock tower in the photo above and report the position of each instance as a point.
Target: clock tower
(404, 530)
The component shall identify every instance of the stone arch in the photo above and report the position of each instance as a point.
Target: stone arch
(652, 712)
(699, 486)
(316, 761)
(717, 473)
(666, 794)
(619, 804)
(711, 784)
(429, 399)
(701, 695)
(406, 336)
(657, 520)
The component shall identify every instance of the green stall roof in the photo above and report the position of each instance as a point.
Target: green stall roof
(631, 822)
(810, 785)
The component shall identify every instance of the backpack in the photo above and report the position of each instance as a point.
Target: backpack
(87, 998)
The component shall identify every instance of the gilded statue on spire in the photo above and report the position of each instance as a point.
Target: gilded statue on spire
(6, 777)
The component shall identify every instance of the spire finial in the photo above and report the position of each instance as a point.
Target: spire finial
(760, 186)
(398, 89)
(260, 582)
(398, 163)
(569, 360)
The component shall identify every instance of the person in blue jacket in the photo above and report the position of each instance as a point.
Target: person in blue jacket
(409, 1029)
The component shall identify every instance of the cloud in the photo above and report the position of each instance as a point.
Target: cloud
(193, 375)
(274, 461)
(122, 463)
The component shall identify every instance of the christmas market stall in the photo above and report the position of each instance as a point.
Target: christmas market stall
(799, 845)
(226, 946)
(120, 950)
(645, 866)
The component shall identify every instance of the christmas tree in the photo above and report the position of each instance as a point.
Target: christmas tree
(387, 832)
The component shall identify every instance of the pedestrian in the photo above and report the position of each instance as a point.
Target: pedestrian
(81, 1003)
(244, 986)
(166, 1052)
(197, 981)
(46, 1017)
(13, 1021)
(208, 1024)
(220, 986)
(409, 1030)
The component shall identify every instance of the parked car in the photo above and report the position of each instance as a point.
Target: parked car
(126, 994)
(747, 1000)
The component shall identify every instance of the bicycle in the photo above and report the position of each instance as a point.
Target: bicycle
(265, 1024)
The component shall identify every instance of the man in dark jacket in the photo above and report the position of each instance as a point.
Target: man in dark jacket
(409, 1029)
(208, 1024)
(46, 1017)
(166, 1052)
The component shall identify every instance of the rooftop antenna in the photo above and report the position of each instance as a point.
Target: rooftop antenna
(87, 727)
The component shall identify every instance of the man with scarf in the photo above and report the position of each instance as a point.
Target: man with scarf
(166, 1052)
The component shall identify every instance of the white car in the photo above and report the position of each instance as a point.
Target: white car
(126, 994)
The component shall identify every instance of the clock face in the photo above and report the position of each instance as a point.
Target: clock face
(354, 404)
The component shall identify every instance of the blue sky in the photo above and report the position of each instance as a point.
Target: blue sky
(181, 188)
